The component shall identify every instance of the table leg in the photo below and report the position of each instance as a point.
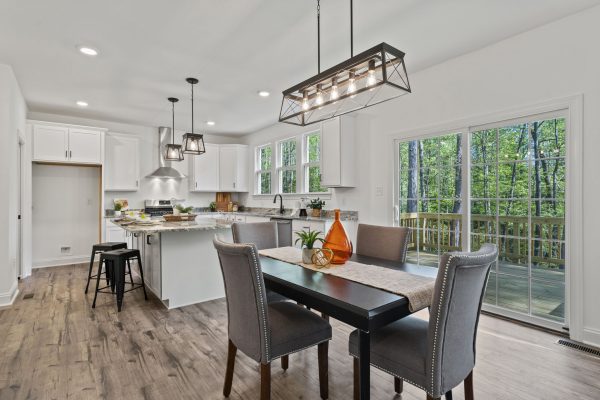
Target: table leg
(364, 361)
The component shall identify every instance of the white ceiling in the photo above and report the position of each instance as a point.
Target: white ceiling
(234, 47)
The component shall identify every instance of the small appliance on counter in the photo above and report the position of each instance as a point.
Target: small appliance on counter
(303, 202)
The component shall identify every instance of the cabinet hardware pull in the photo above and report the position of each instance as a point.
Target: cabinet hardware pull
(137, 183)
(148, 240)
(234, 184)
(66, 154)
(70, 154)
(196, 184)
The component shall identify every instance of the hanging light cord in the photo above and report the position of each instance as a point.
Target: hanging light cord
(173, 123)
(319, 36)
(351, 29)
(192, 108)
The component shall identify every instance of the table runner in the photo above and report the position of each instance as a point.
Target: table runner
(417, 289)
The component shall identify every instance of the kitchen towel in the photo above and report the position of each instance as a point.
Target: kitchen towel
(417, 289)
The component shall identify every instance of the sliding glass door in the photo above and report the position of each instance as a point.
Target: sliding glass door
(509, 189)
(518, 201)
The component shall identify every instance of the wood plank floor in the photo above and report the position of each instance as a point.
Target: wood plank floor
(54, 346)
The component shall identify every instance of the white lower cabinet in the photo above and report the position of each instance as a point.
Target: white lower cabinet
(252, 218)
(152, 263)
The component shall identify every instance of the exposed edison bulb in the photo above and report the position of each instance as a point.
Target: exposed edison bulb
(305, 105)
(334, 94)
(371, 80)
(351, 85)
(319, 99)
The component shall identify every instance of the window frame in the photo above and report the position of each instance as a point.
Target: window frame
(306, 164)
(281, 168)
(258, 171)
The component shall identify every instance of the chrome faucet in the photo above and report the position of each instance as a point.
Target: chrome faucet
(281, 210)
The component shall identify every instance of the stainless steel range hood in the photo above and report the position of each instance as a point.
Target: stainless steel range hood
(164, 170)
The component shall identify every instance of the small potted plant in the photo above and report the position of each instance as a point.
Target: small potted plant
(180, 209)
(316, 205)
(118, 207)
(307, 240)
(212, 206)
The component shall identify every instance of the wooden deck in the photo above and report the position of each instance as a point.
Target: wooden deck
(54, 346)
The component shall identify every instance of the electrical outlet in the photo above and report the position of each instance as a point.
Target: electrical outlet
(65, 250)
(379, 191)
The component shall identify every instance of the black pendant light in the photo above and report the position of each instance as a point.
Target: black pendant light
(193, 143)
(371, 77)
(173, 151)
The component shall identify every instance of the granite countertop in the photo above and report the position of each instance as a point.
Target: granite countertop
(160, 226)
(327, 215)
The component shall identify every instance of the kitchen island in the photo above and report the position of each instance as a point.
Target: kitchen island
(180, 264)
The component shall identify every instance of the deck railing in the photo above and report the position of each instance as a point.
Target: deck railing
(547, 235)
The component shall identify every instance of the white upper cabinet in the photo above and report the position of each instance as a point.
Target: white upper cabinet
(121, 166)
(233, 168)
(338, 150)
(50, 143)
(204, 170)
(85, 146)
(67, 144)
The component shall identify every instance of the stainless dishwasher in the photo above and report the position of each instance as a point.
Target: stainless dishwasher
(284, 230)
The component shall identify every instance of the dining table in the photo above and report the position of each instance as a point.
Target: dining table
(361, 306)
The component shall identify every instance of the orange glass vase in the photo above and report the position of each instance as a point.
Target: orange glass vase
(338, 242)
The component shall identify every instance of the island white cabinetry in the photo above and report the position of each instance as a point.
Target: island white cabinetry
(204, 170)
(233, 168)
(66, 144)
(338, 148)
(121, 167)
(180, 264)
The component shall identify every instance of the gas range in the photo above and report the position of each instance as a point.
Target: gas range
(157, 208)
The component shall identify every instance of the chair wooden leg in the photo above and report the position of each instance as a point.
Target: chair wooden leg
(356, 379)
(469, 387)
(231, 352)
(398, 385)
(448, 395)
(325, 317)
(285, 362)
(432, 398)
(323, 350)
(265, 381)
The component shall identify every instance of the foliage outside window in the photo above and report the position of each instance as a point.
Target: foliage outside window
(264, 159)
(287, 166)
(311, 165)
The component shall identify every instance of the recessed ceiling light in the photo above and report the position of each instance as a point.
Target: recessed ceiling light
(82, 103)
(88, 51)
(210, 123)
(263, 93)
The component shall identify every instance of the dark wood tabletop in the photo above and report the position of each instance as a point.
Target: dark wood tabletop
(356, 304)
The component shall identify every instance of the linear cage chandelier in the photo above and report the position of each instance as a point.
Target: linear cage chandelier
(371, 77)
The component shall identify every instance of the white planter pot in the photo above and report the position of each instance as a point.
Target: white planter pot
(307, 255)
(117, 213)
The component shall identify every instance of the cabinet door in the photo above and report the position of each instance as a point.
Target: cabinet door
(115, 234)
(205, 170)
(331, 153)
(227, 168)
(50, 143)
(121, 166)
(241, 175)
(84, 146)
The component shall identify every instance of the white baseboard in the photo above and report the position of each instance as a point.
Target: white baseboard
(6, 299)
(591, 336)
(61, 261)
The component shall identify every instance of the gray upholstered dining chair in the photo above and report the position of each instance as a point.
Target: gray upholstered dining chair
(387, 242)
(438, 354)
(264, 235)
(265, 331)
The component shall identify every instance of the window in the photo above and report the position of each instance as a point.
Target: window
(429, 196)
(515, 198)
(287, 166)
(311, 165)
(518, 201)
(264, 158)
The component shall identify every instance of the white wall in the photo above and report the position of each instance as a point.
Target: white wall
(554, 61)
(12, 121)
(148, 151)
(66, 203)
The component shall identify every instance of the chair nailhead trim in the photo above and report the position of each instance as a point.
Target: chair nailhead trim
(262, 305)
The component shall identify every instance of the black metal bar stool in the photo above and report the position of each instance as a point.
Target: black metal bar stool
(115, 263)
(98, 249)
